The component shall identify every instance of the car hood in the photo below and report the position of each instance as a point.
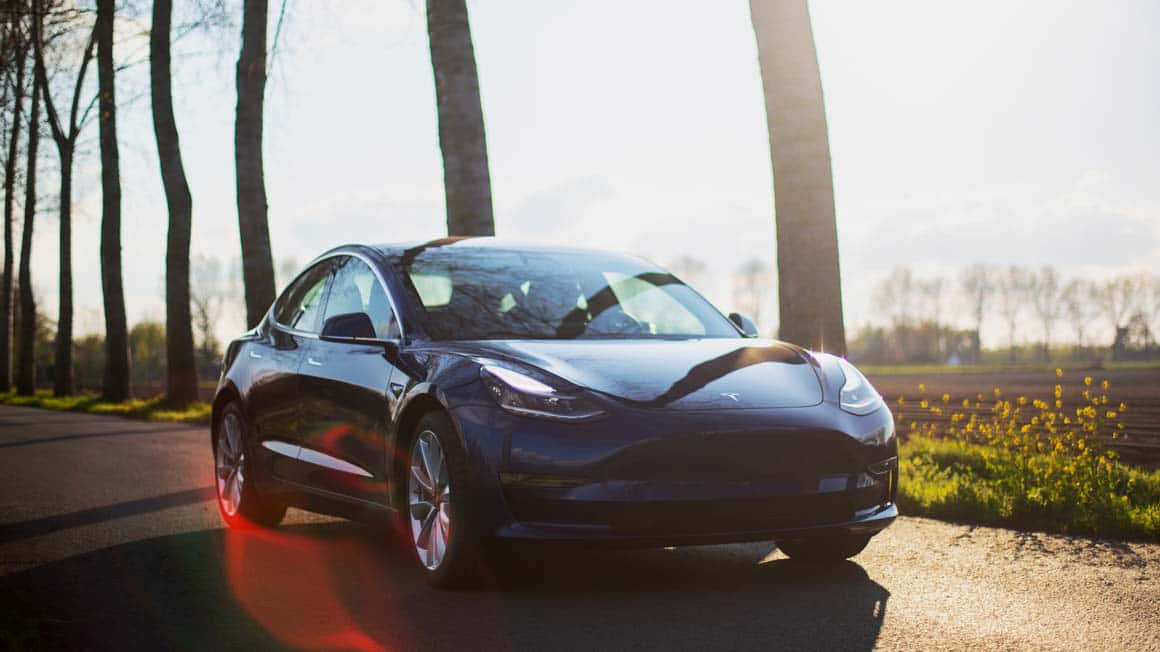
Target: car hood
(680, 374)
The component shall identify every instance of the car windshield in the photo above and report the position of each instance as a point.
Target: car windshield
(482, 293)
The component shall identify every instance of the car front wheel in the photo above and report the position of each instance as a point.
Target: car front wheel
(823, 550)
(437, 491)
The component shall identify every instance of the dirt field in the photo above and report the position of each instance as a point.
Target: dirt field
(1138, 388)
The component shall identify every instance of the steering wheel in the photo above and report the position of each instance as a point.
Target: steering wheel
(615, 321)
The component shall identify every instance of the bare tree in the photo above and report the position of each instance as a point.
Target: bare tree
(65, 137)
(253, 227)
(116, 380)
(977, 283)
(1048, 302)
(26, 358)
(1078, 302)
(896, 294)
(751, 288)
(1117, 298)
(689, 269)
(931, 302)
(181, 365)
(809, 280)
(210, 289)
(466, 179)
(17, 48)
(1012, 289)
(1154, 303)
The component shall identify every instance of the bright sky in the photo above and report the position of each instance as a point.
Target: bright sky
(1002, 132)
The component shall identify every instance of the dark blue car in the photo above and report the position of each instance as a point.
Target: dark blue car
(483, 392)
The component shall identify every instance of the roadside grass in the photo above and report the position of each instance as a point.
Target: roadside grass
(151, 409)
(1025, 463)
(957, 481)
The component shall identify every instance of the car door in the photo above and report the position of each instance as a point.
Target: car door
(346, 389)
(275, 389)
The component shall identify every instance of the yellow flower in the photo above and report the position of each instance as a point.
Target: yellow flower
(901, 400)
(1104, 385)
(1058, 391)
(966, 403)
(1110, 414)
(997, 392)
(923, 404)
(946, 398)
(1058, 372)
(1087, 380)
(1058, 404)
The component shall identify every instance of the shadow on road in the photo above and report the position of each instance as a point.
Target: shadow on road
(342, 585)
(88, 435)
(10, 532)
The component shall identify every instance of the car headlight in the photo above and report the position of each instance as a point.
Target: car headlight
(521, 394)
(857, 395)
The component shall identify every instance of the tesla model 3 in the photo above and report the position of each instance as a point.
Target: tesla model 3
(483, 392)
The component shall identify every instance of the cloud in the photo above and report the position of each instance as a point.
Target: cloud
(1004, 226)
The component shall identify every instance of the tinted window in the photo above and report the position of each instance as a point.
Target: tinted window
(469, 293)
(357, 289)
(301, 304)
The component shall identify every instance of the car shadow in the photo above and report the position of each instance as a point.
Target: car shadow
(343, 585)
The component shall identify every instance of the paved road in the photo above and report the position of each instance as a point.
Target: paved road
(109, 539)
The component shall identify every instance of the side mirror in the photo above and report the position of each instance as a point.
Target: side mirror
(744, 324)
(347, 327)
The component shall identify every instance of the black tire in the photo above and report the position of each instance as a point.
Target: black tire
(460, 564)
(821, 550)
(254, 508)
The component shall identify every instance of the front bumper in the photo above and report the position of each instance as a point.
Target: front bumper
(651, 478)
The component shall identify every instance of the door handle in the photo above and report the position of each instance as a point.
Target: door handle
(313, 362)
(255, 355)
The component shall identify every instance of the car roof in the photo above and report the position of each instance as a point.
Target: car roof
(400, 249)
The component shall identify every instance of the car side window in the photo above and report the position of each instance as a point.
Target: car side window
(301, 304)
(357, 289)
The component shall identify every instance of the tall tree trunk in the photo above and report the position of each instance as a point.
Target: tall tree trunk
(62, 370)
(257, 261)
(809, 282)
(466, 180)
(9, 250)
(65, 147)
(181, 378)
(26, 358)
(116, 381)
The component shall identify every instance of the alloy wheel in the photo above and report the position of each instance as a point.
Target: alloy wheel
(230, 460)
(429, 500)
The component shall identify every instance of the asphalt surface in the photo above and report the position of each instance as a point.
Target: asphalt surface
(109, 539)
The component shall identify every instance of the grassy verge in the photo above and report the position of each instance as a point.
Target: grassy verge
(151, 409)
(960, 481)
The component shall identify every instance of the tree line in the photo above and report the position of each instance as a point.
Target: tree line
(47, 48)
(936, 318)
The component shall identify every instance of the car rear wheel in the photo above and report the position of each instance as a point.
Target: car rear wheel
(239, 501)
(823, 550)
(437, 499)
